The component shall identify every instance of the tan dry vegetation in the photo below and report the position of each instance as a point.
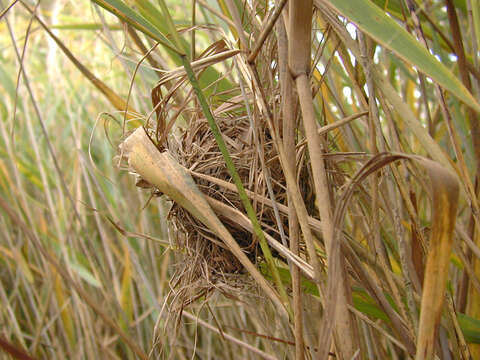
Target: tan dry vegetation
(306, 173)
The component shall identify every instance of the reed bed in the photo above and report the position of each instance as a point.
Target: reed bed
(241, 180)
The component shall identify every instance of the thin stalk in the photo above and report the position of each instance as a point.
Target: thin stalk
(265, 170)
(471, 67)
(219, 15)
(374, 132)
(423, 87)
(474, 297)
(4, 11)
(266, 30)
(226, 336)
(292, 187)
(338, 302)
(39, 115)
(475, 6)
(137, 23)
(238, 23)
(289, 129)
(171, 26)
(112, 97)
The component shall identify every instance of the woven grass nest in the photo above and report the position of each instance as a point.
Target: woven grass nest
(198, 151)
(203, 261)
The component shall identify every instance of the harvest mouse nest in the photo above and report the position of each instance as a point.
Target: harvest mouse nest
(203, 260)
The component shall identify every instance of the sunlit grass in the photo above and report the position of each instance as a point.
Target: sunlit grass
(89, 263)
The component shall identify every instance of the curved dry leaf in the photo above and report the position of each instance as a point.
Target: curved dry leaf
(445, 190)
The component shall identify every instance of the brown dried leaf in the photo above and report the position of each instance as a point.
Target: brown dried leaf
(445, 189)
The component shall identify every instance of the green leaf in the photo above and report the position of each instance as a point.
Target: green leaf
(84, 26)
(125, 13)
(85, 274)
(373, 21)
(476, 19)
(361, 300)
(394, 7)
(366, 305)
(470, 328)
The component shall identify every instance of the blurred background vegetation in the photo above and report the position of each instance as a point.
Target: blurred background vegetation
(92, 268)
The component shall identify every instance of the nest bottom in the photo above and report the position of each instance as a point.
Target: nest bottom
(203, 262)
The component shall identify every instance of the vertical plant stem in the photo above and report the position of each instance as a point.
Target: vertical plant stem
(232, 8)
(192, 46)
(375, 132)
(267, 28)
(475, 6)
(294, 192)
(292, 188)
(336, 313)
(39, 115)
(288, 131)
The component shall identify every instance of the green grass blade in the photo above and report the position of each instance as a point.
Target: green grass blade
(84, 26)
(476, 19)
(373, 20)
(125, 13)
(470, 328)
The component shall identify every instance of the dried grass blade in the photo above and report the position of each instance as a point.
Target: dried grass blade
(15, 351)
(68, 279)
(229, 337)
(199, 65)
(445, 201)
(266, 30)
(445, 191)
(289, 128)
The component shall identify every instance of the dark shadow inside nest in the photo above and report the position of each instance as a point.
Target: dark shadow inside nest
(194, 239)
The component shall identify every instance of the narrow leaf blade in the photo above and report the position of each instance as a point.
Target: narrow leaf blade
(373, 21)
